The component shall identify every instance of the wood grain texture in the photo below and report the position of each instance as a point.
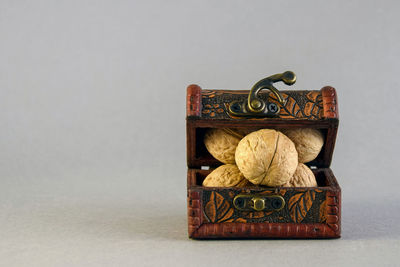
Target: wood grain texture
(298, 104)
(330, 104)
(194, 211)
(312, 212)
(263, 230)
(193, 101)
(329, 143)
(333, 208)
(225, 222)
(302, 205)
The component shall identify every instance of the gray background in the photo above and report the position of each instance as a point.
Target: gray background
(92, 139)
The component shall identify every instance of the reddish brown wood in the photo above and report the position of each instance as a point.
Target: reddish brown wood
(329, 145)
(193, 101)
(333, 207)
(299, 104)
(262, 230)
(326, 118)
(330, 104)
(191, 146)
(200, 229)
(331, 112)
(194, 211)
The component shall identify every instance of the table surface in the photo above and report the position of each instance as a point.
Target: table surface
(91, 222)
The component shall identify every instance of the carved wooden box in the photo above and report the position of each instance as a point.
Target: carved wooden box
(308, 212)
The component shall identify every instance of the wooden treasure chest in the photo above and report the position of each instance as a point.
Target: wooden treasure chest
(255, 211)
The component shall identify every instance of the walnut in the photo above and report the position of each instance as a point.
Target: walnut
(266, 157)
(308, 142)
(225, 176)
(302, 177)
(222, 143)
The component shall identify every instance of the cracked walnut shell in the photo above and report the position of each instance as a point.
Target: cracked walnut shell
(308, 142)
(302, 177)
(266, 157)
(222, 143)
(227, 175)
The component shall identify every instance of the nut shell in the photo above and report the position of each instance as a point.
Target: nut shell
(266, 157)
(308, 142)
(303, 177)
(227, 175)
(222, 143)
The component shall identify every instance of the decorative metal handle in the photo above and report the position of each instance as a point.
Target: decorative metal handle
(255, 106)
(258, 203)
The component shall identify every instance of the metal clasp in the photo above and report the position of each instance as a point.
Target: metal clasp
(259, 203)
(254, 106)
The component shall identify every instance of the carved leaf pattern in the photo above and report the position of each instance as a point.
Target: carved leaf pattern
(309, 106)
(266, 192)
(217, 208)
(282, 192)
(300, 204)
(322, 211)
(299, 104)
(255, 214)
(239, 220)
(291, 108)
(310, 109)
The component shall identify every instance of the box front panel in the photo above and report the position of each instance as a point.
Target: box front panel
(312, 212)
(300, 206)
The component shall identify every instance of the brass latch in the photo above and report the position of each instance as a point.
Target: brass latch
(254, 106)
(258, 203)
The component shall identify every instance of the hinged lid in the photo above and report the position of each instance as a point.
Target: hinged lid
(253, 109)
